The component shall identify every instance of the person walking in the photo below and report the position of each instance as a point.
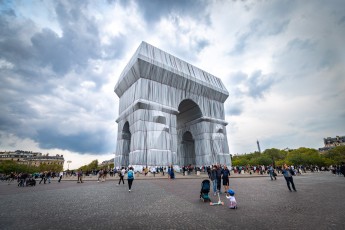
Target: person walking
(287, 172)
(122, 175)
(272, 173)
(43, 177)
(49, 175)
(130, 178)
(60, 176)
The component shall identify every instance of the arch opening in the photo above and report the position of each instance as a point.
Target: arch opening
(188, 149)
(188, 111)
(126, 136)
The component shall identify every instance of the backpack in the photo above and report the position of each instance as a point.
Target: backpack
(130, 174)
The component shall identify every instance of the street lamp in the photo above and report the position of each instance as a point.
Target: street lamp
(68, 162)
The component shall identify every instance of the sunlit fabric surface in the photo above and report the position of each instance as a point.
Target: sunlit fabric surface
(170, 113)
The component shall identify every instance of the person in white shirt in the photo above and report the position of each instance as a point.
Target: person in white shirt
(122, 175)
(232, 199)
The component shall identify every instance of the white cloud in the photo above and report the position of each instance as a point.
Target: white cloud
(282, 62)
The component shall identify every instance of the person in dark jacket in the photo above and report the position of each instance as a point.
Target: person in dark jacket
(342, 168)
(226, 174)
(219, 178)
(213, 177)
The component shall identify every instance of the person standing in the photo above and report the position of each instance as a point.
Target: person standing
(226, 174)
(219, 178)
(171, 173)
(213, 177)
(130, 178)
(80, 176)
(287, 172)
(342, 168)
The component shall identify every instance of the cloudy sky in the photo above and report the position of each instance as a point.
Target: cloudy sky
(283, 63)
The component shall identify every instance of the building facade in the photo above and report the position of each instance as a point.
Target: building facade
(31, 158)
(331, 142)
(170, 112)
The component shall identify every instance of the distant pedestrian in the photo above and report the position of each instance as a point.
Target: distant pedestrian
(171, 172)
(49, 175)
(122, 174)
(130, 178)
(80, 176)
(273, 175)
(43, 177)
(288, 172)
(342, 168)
(60, 177)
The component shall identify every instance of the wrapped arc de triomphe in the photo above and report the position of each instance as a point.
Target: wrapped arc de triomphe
(170, 113)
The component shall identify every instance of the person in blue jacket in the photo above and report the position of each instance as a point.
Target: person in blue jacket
(288, 172)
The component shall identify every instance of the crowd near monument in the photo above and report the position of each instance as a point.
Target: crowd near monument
(170, 113)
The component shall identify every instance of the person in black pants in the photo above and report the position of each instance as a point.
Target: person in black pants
(43, 177)
(122, 175)
(130, 178)
(219, 178)
(288, 172)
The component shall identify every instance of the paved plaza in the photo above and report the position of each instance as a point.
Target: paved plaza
(157, 203)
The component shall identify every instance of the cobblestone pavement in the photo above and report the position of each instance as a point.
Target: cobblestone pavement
(174, 204)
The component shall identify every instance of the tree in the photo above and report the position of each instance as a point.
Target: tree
(93, 165)
(336, 155)
(274, 154)
(305, 156)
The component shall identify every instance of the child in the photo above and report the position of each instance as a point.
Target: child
(232, 200)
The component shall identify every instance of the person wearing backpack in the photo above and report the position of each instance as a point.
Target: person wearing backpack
(130, 178)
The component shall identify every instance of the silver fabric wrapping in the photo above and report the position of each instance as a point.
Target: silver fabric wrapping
(170, 113)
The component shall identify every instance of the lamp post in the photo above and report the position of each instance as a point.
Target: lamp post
(68, 162)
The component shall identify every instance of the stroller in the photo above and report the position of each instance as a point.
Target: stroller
(31, 182)
(205, 189)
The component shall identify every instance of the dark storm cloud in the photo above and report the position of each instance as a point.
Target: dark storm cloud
(154, 10)
(37, 89)
(82, 142)
(234, 108)
(259, 84)
(79, 41)
(257, 29)
(201, 44)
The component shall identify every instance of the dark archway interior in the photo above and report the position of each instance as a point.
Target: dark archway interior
(188, 149)
(126, 136)
(188, 111)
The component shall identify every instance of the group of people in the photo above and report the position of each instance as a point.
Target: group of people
(216, 175)
(338, 170)
(131, 175)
